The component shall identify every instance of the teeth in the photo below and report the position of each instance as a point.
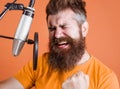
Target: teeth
(62, 43)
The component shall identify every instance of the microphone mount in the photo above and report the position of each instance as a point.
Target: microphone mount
(15, 6)
(28, 41)
(19, 6)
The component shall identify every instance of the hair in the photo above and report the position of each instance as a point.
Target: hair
(77, 6)
(65, 60)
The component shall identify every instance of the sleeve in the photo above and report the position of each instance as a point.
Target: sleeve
(109, 82)
(26, 76)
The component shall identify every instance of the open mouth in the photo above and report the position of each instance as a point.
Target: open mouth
(63, 44)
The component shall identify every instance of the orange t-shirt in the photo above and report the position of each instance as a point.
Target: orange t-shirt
(101, 77)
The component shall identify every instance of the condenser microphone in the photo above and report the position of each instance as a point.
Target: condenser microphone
(22, 31)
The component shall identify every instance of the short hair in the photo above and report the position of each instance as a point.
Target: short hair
(77, 6)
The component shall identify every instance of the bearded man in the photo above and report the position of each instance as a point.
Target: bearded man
(67, 65)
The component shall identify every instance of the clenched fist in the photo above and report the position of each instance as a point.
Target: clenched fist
(77, 81)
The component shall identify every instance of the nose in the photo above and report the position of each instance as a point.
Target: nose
(58, 33)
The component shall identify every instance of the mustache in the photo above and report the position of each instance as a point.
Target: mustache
(64, 60)
(55, 41)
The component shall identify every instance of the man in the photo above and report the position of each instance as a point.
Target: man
(68, 65)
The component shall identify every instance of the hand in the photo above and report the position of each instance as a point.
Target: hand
(77, 81)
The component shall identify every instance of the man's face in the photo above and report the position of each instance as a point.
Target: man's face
(66, 40)
(63, 25)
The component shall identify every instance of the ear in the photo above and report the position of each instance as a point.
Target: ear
(85, 27)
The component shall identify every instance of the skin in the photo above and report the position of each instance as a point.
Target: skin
(64, 24)
(77, 81)
(60, 25)
(11, 83)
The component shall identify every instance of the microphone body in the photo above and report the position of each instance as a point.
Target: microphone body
(22, 30)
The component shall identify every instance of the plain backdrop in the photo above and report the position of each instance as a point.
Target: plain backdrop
(103, 40)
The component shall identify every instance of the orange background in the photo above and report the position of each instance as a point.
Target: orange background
(102, 40)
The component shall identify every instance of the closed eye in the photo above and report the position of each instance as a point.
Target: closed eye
(63, 26)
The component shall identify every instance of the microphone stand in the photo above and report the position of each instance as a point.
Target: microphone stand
(14, 6)
(29, 41)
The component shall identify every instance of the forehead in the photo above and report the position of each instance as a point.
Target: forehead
(64, 15)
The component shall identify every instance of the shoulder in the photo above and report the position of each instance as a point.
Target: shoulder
(43, 58)
(42, 63)
(107, 77)
(100, 66)
(100, 69)
(96, 67)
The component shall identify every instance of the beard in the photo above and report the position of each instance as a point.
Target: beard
(65, 59)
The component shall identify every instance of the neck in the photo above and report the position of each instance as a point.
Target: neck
(84, 58)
